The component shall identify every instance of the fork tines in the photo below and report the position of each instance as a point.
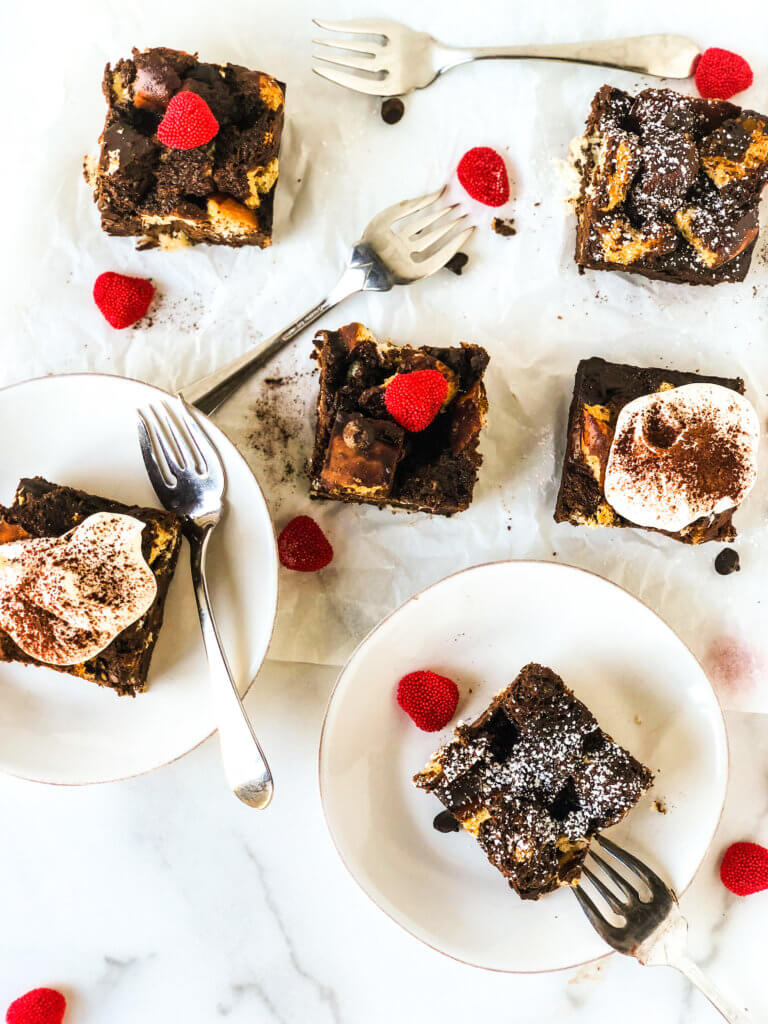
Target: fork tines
(175, 445)
(421, 232)
(626, 899)
(364, 66)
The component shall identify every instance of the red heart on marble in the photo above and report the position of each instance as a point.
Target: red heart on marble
(40, 1006)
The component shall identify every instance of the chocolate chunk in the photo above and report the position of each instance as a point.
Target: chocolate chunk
(727, 562)
(457, 262)
(655, 109)
(670, 163)
(362, 456)
(735, 157)
(445, 822)
(467, 418)
(392, 110)
(208, 82)
(717, 234)
(127, 156)
(155, 82)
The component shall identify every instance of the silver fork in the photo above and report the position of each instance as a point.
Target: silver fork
(404, 243)
(390, 59)
(654, 931)
(188, 477)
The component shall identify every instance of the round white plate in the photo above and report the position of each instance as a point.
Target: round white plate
(480, 627)
(80, 430)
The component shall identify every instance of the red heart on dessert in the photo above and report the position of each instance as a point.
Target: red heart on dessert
(188, 122)
(414, 399)
(720, 74)
(40, 1006)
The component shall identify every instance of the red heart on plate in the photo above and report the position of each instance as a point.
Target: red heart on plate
(40, 1006)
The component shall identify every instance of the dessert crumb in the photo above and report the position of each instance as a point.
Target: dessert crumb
(457, 262)
(504, 226)
(660, 806)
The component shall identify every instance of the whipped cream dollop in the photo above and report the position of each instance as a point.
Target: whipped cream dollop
(64, 599)
(682, 454)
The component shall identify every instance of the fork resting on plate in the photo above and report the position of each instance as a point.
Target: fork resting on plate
(653, 930)
(187, 474)
(389, 59)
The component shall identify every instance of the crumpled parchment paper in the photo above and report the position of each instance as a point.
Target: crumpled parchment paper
(521, 297)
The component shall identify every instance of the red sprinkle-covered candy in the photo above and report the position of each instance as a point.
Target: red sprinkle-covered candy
(188, 122)
(744, 868)
(40, 1006)
(123, 300)
(483, 174)
(414, 399)
(303, 547)
(720, 74)
(429, 699)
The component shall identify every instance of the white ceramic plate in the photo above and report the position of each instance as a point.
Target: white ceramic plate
(480, 627)
(81, 430)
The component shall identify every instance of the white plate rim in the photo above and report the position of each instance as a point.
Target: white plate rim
(164, 764)
(416, 596)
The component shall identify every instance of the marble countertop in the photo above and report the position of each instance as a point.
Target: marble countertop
(162, 899)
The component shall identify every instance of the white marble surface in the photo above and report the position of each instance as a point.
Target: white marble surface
(162, 900)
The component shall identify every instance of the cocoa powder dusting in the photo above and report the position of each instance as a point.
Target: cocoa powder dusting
(705, 461)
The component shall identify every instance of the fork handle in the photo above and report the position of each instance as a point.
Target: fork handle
(694, 974)
(245, 766)
(209, 392)
(661, 55)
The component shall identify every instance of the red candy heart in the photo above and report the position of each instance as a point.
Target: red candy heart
(122, 300)
(483, 174)
(414, 399)
(188, 122)
(744, 869)
(40, 1006)
(303, 547)
(429, 699)
(720, 74)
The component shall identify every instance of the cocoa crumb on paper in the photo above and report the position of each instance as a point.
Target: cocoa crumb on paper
(277, 426)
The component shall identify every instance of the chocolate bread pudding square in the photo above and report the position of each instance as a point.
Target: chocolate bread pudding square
(534, 778)
(221, 192)
(43, 509)
(670, 186)
(601, 391)
(363, 455)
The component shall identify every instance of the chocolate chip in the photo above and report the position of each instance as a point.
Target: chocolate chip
(392, 110)
(727, 562)
(457, 262)
(445, 822)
